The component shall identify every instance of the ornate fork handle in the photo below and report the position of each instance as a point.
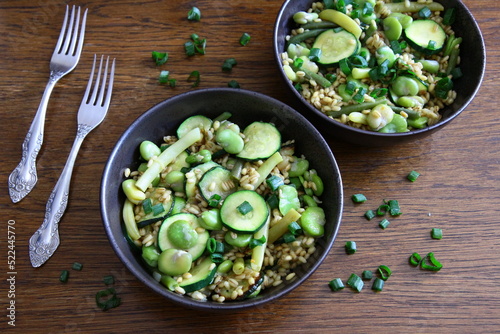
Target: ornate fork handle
(24, 177)
(46, 239)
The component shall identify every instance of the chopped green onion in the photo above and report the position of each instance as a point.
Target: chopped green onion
(384, 223)
(358, 198)
(425, 12)
(64, 276)
(214, 200)
(216, 257)
(109, 279)
(367, 275)
(147, 205)
(157, 209)
(355, 282)
(430, 263)
(194, 14)
(415, 259)
(394, 209)
(196, 76)
(449, 16)
(233, 84)
(244, 39)
(350, 247)
(437, 233)
(336, 284)
(105, 303)
(288, 237)
(378, 284)
(160, 58)
(382, 209)
(274, 182)
(412, 176)
(315, 54)
(244, 208)
(228, 64)
(384, 272)
(295, 228)
(77, 266)
(257, 242)
(369, 214)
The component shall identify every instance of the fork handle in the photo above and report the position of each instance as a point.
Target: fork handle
(24, 177)
(45, 240)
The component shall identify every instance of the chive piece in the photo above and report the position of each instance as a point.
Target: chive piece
(336, 284)
(157, 209)
(147, 206)
(194, 14)
(437, 233)
(214, 200)
(109, 279)
(288, 237)
(64, 276)
(449, 16)
(216, 257)
(425, 12)
(369, 214)
(384, 271)
(378, 284)
(244, 39)
(257, 242)
(429, 262)
(358, 198)
(244, 208)
(367, 275)
(196, 76)
(384, 223)
(355, 282)
(315, 54)
(415, 259)
(189, 48)
(412, 176)
(105, 302)
(211, 245)
(77, 266)
(233, 84)
(295, 228)
(228, 64)
(160, 58)
(274, 182)
(350, 247)
(394, 209)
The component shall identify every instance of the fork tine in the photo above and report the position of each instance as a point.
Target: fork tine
(63, 31)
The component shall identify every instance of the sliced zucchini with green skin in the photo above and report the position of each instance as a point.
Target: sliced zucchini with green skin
(250, 222)
(421, 33)
(201, 276)
(197, 121)
(261, 141)
(335, 46)
(164, 243)
(216, 182)
(190, 186)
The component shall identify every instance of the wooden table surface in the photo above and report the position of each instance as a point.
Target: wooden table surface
(457, 191)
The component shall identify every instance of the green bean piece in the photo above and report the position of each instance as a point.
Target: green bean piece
(305, 35)
(346, 110)
(400, 7)
(150, 255)
(148, 150)
(238, 239)
(319, 25)
(298, 167)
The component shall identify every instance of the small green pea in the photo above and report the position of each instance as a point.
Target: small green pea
(149, 149)
(238, 239)
(182, 235)
(405, 86)
(392, 28)
(210, 220)
(174, 262)
(230, 141)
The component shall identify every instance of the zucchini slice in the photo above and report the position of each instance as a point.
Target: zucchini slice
(249, 222)
(217, 181)
(425, 36)
(197, 121)
(336, 45)
(261, 141)
(164, 243)
(201, 276)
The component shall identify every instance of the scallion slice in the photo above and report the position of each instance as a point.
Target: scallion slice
(336, 284)
(244, 208)
(244, 39)
(194, 14)
(355, 282)
(378, 284)
(437, 233)
(350, 247)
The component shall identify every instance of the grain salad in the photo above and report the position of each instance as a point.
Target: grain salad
(222, 213)
(375, 65)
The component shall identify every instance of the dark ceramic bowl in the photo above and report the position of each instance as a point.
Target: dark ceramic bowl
(246, 107)
(473, 63)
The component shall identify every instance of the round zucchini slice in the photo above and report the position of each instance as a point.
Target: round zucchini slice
(244, 211)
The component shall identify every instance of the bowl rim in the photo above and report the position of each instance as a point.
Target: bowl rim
(145, 277)
(281, 17)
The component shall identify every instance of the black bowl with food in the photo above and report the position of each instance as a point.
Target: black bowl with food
(374, 73)
(221, 199)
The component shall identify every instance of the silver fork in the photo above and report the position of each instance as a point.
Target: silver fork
(93, 109)
(64, 59)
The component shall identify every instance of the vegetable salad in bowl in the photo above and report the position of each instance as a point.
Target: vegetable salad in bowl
(381, 66)
(220, 212)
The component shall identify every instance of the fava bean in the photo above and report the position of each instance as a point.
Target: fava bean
(392, 28)
(134, 194)
(238, 239)
(298, 167)
(405, 86)
(210, 220)
(174, 262)
(148, 150)
(230, 141)
(182, 234)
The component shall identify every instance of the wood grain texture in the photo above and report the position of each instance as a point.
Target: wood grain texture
(457, 191)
